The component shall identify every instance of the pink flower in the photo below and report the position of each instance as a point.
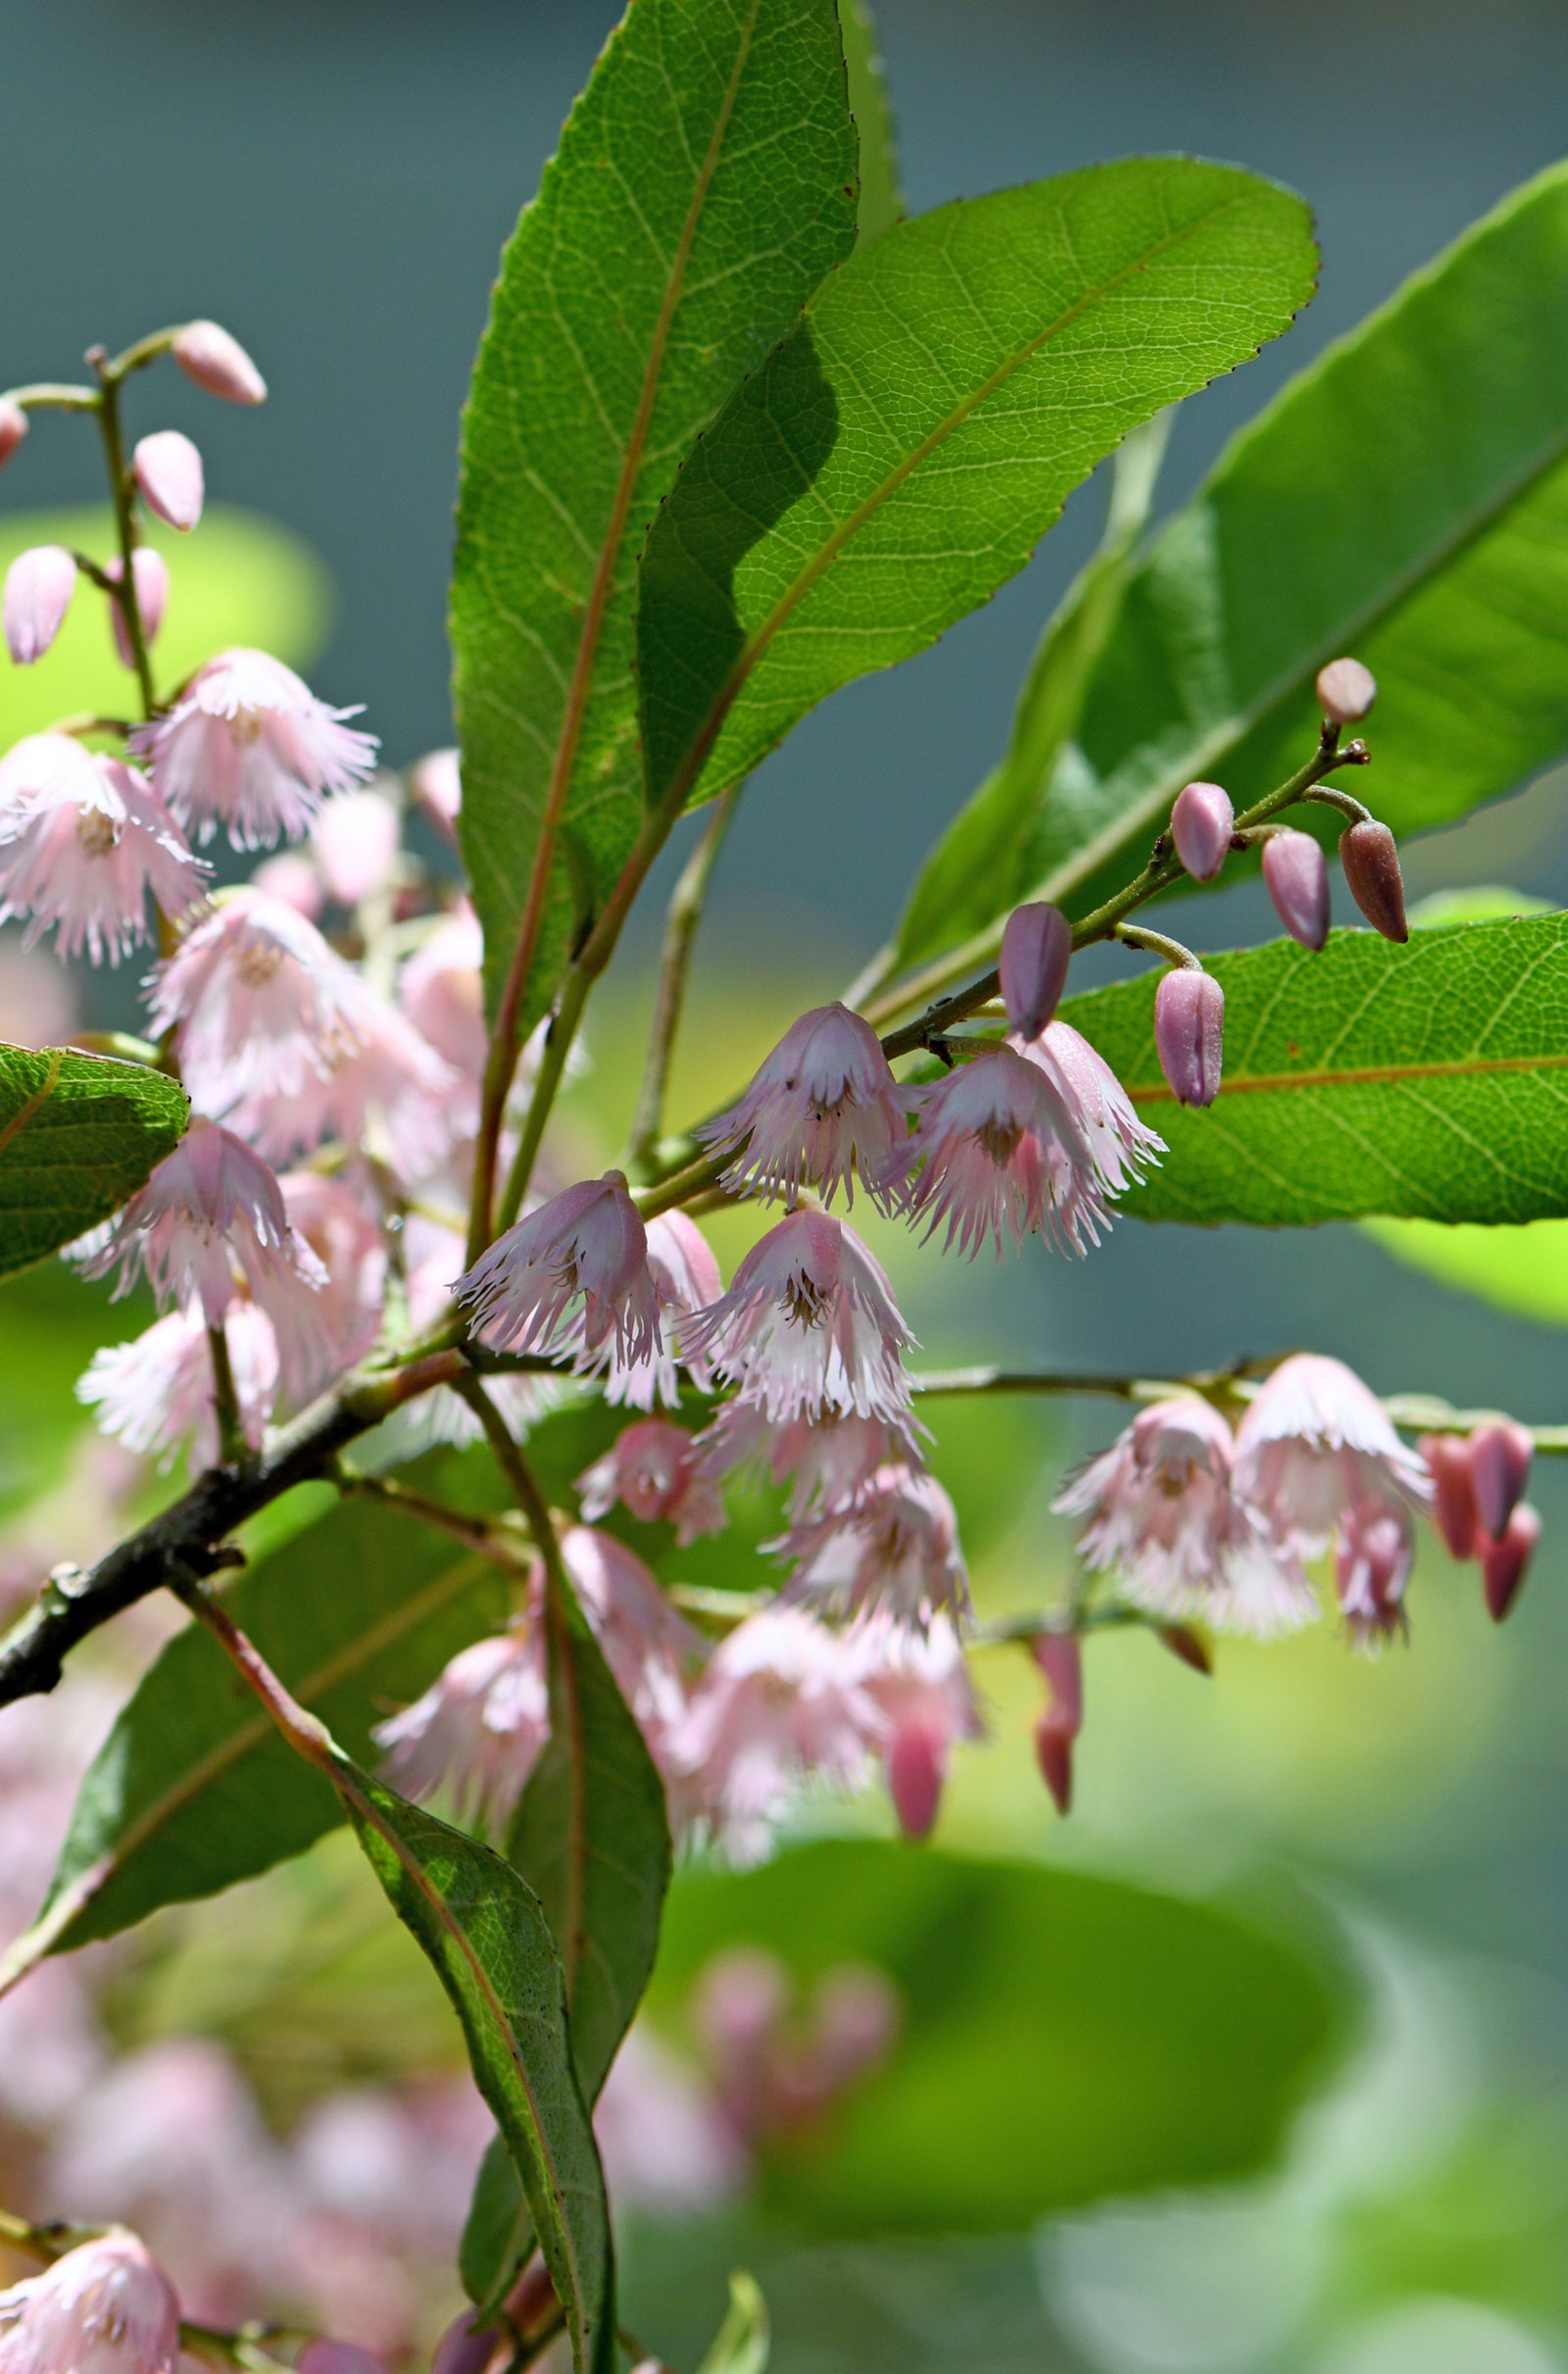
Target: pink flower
(921, 1684)
(168, 469)
(1163, 1511)
(80, 856)
(1374, 1549)
(325, 2356)
(356, 842)
(39, 584)
(810, 1325)
(105, 2307)
(291, 879)
(667, 2148)
(210, 1210)
(249, 746)
(589, 1241)
(782, 1698)
(156, 1392)
(432, 1255)
(440, 990)
(822, 1106)
(207, 354)
(686, 1279)
(830, 1459)
(349, 1244)
(1120, 1147)
(997, 1153)
(1316, 1445)
(894, 1548)
(653, 1470)
(149, 575)
(647, 1644)
(477, 1732)
(437, 786)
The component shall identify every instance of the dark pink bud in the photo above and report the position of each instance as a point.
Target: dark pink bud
(1190, 1646)
(1201, 825)
(1035, 949)
(207, 354)
(1499, 1469)
(1371, 861)
(1061, 1659)
(463, 2349)
(149, 573)
(1190, 1034)
(1345, 691)
(39, 584)
(1054, 1753)
(169, 473)
(1447, 1460)
(13, 429)
(1295, 876)
(1504, 1563)
(917, 1766)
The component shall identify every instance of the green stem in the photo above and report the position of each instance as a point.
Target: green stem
(474, 1532)
(46, 2241)
(122, 495)
(684, 915)
(233, 1448)
(53, 395)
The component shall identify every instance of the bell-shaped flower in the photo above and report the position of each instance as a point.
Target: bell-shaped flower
(808, 1326)
(653, 1470)
(476, 1734)
(355, 838)
(821, 1108)
(1162, 1511)
(648, 1646)
(894, 1548)
(782, 1700)
(249, 746)
(1315, 1445)
(1373, 1552)
(105, 2307)
(156, 1392)
(79, 853)
(921, 1684)
(38, 587)
(589, 1242)
(686, 1279)
(167, 470)
(432, 1257)
(1120, 1146)
(828, 1460)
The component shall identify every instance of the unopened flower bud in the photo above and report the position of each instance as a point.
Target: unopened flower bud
(1371, 862)
(916, 1767)
(1504, 1563)
(1499, 1469)
(463, 2347)
(1036, 946)
(1345, 691)
(1190, 1033)
(322, 2357)
(149, 573)
(437, 786)
(1059, 1657)
(1184, 1643)
(13, 429)
(1296, 876)
(207, 354)
(1453, 1503)
(39, 584)
(291, 877)
(169, 472)
(1201, 825)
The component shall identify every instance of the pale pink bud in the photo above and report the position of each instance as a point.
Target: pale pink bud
(149, 575)
(916, 1765)
(1296, 876)
(1370, 857)
(169, 472)
(1345, 691)
(207, 354)
(1201, 825)
(39, 584)
(437, 786)
(1036, 946)
(1504, 1563)
(1499, 1469)
(1453, 1507)
(13, 429)
(355, 837)
(1190, 1034)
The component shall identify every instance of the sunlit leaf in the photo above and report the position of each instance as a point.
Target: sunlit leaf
(1521, 1271)
(78, 1133)
(882, 202)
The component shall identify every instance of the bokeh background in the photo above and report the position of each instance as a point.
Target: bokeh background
(335, 183)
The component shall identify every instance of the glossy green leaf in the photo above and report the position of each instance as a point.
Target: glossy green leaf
(900, 455)
(486, 1935)
(193, 1789)
(744, 2341)
(1406, 498)
(78, 1133)
(1063, 2039)
(881, 193)
(1426, 1081)
(238, 579)
(1521, 1271)
(705, 182)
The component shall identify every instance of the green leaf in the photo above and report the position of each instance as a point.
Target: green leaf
(485, 1932)
(881, 194)
(193, 1789)
(1405, 499)
(996, 848)
(78, 1133)
(705, 182)
(744, 2340)
(1063, 2039)
(1425, 1081)
(900, 455)
(1521, 1271)
(498, 2233)
(238, 579)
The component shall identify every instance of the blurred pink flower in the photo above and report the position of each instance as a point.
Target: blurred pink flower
(38, 587)
(80, 850)
(894, 1546)
(355, 837)
(829, 1458)
(105, 2307)
(156, 1392)
(820, 1107)
(437, 786)
(648, 1646)
(440, 991)
(921, 1684)
(808, 1326)
(477, 1732)
(1374, 1549)
(1315, 1445)
(350, 1245)
(668, 2152)
(249, 746)
(651, 1469)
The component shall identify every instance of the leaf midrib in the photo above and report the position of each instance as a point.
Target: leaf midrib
(39, 1096)
(1371, 1075)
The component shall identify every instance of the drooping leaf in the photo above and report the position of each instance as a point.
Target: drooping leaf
(239, 580)
(900, 456)
(193, 1789)
(1520, 1271)
(744, 2341)
(881, 194)
(1424, 1081)
(705, 182)
(1405, 499)
(78, 1133)
(1061, 2039)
